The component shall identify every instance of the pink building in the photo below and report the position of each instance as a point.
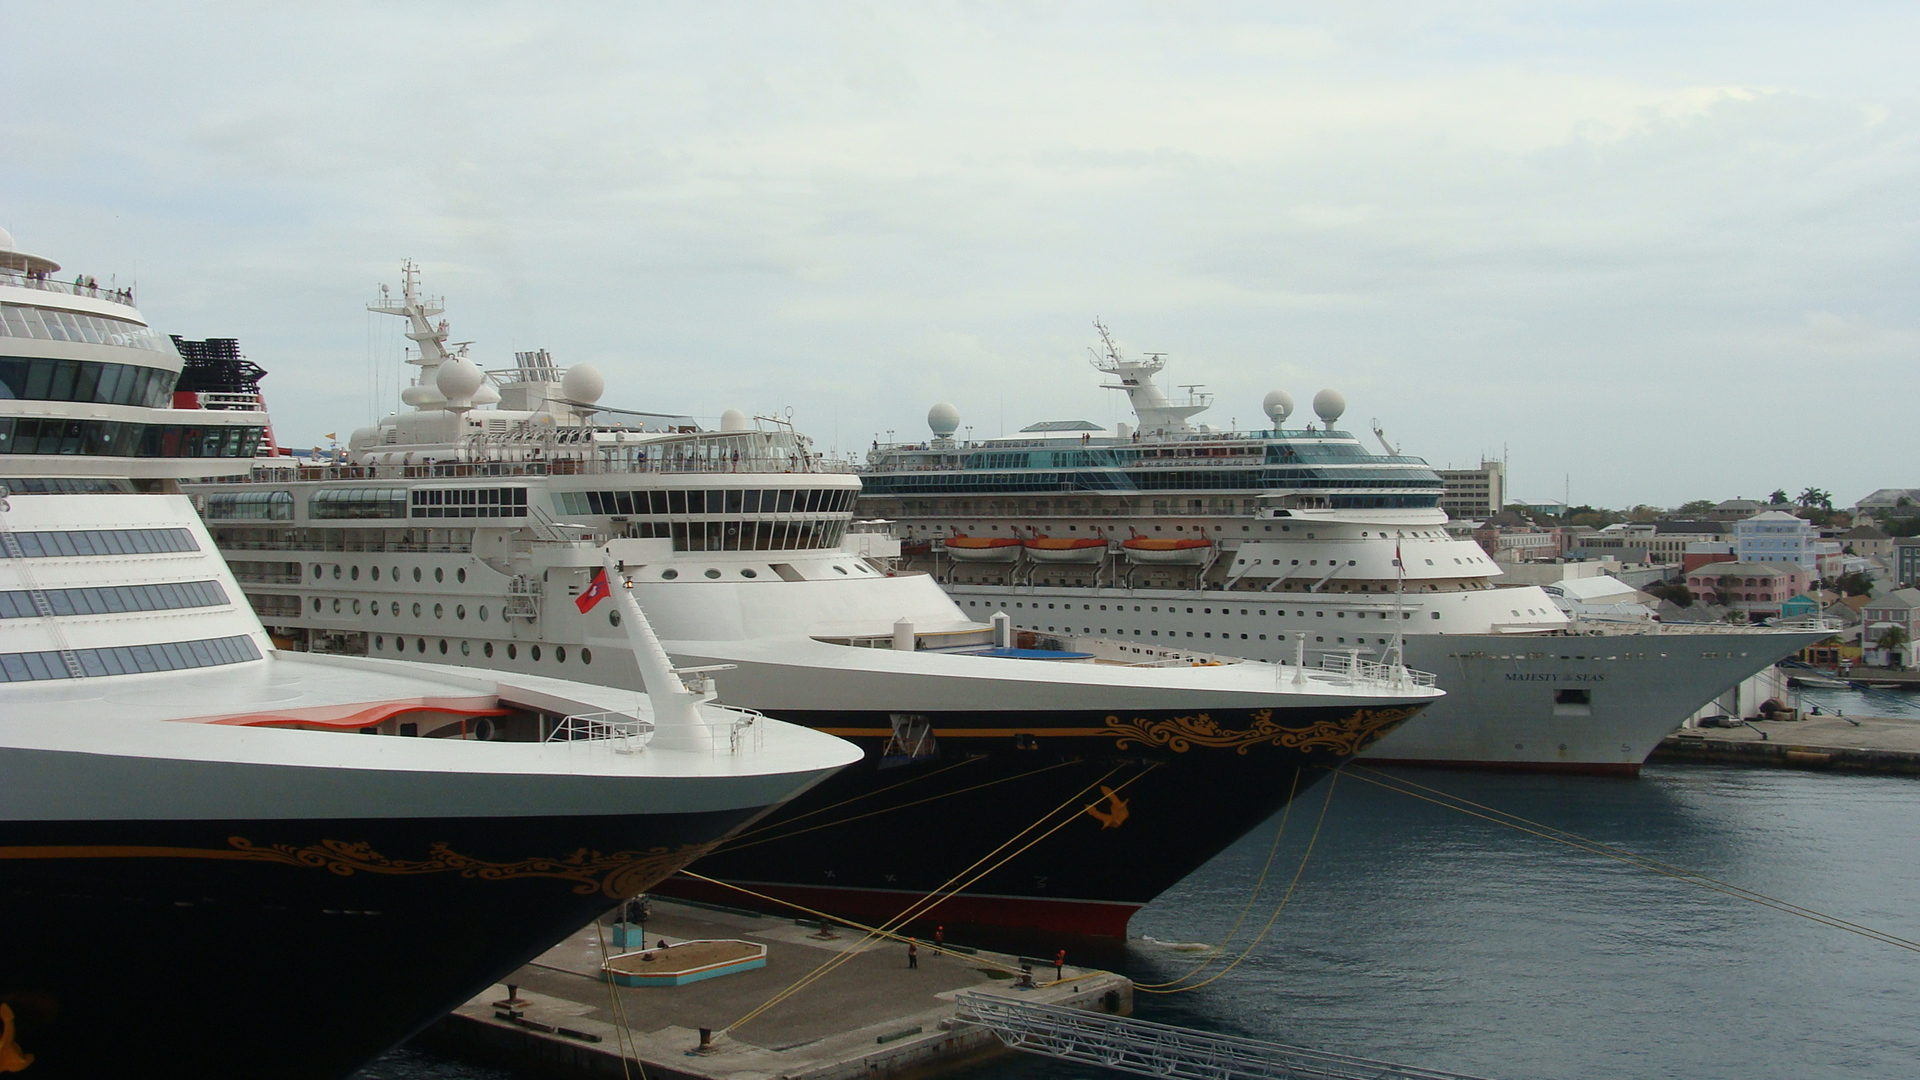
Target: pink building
(1753, 587)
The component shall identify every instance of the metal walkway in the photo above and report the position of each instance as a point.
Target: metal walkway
(1149, 1049)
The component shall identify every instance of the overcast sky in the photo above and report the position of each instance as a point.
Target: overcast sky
(1651, 252)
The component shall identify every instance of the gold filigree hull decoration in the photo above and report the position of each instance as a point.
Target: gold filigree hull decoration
(1344, 737)
(615, 876)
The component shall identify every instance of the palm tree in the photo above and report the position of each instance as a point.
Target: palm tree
(1893, 637)
(1813, 496)
(1778, 498)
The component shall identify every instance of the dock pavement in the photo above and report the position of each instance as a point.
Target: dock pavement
(872, 1017)
(1855, 744)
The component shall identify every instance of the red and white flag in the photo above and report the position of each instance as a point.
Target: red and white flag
(595, 593)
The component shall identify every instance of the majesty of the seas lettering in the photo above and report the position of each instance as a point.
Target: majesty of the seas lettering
(1518, 676)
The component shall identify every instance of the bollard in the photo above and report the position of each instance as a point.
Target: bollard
(706, 1040)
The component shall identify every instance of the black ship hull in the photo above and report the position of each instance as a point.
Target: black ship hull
(295, 949)
(990, 821)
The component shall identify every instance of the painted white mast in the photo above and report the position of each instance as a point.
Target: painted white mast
(1156, 414)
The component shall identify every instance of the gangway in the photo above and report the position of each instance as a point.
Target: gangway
(1162, 1050)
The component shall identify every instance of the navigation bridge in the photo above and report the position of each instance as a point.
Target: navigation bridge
(1149, 1049)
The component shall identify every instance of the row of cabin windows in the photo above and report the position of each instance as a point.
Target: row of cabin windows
(115, 599)
(51, 544)
(469, 502)
(743, 535)
(1171, 610)
(115, 438)
(729, 501)
(34, 378)
(46, 324)
(511, 649)
(130, 659)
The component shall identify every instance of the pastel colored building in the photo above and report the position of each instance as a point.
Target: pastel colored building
(1757, 588)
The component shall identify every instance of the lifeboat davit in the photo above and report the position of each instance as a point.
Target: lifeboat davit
(984, 548)
(1188, 552)
(1054, 550)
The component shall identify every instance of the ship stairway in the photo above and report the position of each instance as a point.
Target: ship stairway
(1145, 1048)
(523, 598)
(41, 606)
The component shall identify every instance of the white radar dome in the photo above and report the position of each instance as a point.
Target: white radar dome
(944, 419)
(458, 379)
(583, 383)
(486, 395)
(1278, 405)
(1328, 405)
(6, 240)
(733, 420)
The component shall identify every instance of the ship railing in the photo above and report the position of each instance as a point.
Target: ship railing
(624, 732)
(730, 729)
(548, 466)
(1350, 668)
(210, 399)
(24, 280)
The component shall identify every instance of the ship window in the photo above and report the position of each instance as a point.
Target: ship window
(841, 569)
(250, 506)
(534, 651)
(356, 607)
(466, 648)
(486, 649)
(513, 651)
(336, 605)
(713, 573)
(439, 574)
(416, 573)
(460, 611)
(128, 659)
(374, 573)
(396, 608)
(586, 655)
(379, 641)
(483, 613)
(334, 504)
(669, 574)
(439, 611)
(443, 646)
(317, 571)
(416, 609)
(460, 575)
(613, 618)
(1433, 614)
(354, 573)
(560, 654)
(336, 571)
(747, 572)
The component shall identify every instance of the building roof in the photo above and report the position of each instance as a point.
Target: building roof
(1715, 528)
(1906, 599)
(1740, 504)
(1865, 532)
(1774, 515)
(1889, 497)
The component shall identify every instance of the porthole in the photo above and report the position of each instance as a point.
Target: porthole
(396, 573)
(713, 573)
(669, 575)
(466, 648)
(374, 573)
(379, 641)
(336, 571)
(483, 613)
(316, 605)
(439, 574)
(416, 573)
(416, 609)
(459, 611)
(559, 654)
(356, 607)
(354, 574)
(586, 656)
(613, 618)
(460, 575)
(486, 649)
(316, 570)
(336, 605)
(839, 569)
(513, 651)
(420, 644)
(396, 609)
(534, 652)
(439, 611)
(747, 572)
(443, 646)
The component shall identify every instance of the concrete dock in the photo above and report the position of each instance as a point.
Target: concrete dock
(872, 1016)
(1855, 744)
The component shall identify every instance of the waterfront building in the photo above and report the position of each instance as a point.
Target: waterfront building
(1474, 494)
(1756, 588)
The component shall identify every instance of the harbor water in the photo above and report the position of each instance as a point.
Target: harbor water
(1422, 935)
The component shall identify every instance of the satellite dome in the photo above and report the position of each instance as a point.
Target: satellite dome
(1278, 405)
(733, 420)
(486, 395)
(458, 380)
(362, 438)
(583, 383)
(1328, 405)
(944, 419)
(6, 240)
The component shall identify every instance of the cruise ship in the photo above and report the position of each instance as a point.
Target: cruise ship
(1273, 543)
(1004, 783)
(221, 859)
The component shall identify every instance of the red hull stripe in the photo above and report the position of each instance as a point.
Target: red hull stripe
(1087, 918)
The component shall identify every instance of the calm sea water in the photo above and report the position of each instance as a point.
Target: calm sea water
(1903, 703)
(1420, 935)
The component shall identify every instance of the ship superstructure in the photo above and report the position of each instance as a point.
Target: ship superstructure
(298, 860)
(458, 531)
(1269, 542)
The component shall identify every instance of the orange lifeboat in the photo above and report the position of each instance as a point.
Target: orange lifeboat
(1084, 549)
(984, 548)
(1187, 552)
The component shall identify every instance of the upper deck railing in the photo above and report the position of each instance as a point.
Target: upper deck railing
(81, 286)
